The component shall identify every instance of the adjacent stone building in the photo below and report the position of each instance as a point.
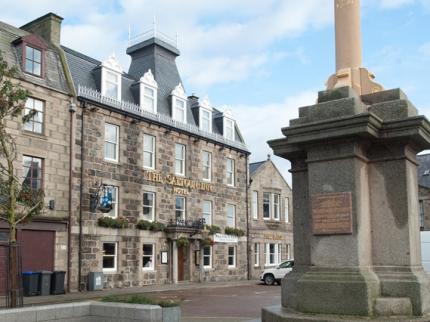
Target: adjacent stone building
(167, 161)
(270, 223)
(424, 190)
(43, 144)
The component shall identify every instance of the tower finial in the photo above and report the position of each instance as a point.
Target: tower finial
(349, 71)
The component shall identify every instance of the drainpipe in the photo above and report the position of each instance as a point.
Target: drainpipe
(81, 190)
(72, 110)
(247, 220)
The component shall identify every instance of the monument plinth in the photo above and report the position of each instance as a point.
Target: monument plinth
(355, 200)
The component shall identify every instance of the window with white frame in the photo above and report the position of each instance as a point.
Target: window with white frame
(254, 208)
(286, 211)
(207, 212)
(256, 254)
(231, 256)
(111, 72)
(207, 257)
(148, 259)
(111, 85)
(288, 251)
(272, 254)
(231, 215)
(279, 259)
(149, 206)
(229, 129)
(149, 151)
(35, 123)
(207, 166)
(266, 205)
(148, 92)
(180, 159)
(179, 104)
(111, 142)
(109, 256)
(205, 120)
(179, 110)
(230, 172)
(114, 191)
(149, 99)
(276, 206)
(180, 208)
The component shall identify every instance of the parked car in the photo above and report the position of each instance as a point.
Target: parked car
(272, 275)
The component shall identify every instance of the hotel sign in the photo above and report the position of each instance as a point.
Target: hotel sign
(222, 238)
(180, 185)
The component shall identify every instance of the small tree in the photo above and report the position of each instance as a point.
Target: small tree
(18, 201)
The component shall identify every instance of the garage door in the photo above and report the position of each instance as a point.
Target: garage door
(37, 249)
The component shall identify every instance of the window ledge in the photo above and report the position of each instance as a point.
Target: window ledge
(109, 271)
(111, 161)
(41, 136)
(149, 270)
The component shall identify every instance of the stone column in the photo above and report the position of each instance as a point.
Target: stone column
(349, 71)
(348, 36)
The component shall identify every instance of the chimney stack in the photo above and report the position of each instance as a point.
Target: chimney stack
(48, 27)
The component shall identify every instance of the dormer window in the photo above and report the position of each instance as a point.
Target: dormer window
(111, 84)
(148, 92)
(229, 132)
(111, 78)
(205, 116)
(179, 104)
(33, 61)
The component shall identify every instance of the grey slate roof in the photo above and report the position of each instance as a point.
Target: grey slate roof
(424, 165)
(151, 54)
(253, 167)
(54, 75)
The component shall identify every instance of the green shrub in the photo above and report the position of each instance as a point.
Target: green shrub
(147, 225)
(182, 242)
(234, 231)
(140, 299)
(207, 242)
(109, 222)
(213, 229)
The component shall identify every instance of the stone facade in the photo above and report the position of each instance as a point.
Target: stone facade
(424, 200)
(129, 175)
(48, 144)
(266, 179)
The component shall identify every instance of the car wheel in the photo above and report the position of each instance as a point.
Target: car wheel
(269, 279)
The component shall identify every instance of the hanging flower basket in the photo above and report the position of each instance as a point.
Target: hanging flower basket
(207, 242)
(182, 242)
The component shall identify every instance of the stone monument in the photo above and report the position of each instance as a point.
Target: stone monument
(356, 223)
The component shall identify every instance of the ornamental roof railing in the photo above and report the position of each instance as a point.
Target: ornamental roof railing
(96, 96)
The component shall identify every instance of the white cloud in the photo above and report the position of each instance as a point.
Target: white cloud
(262, 123)
(221, 42)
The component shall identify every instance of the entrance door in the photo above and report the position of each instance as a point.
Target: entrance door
(37, 249)
(181, 263)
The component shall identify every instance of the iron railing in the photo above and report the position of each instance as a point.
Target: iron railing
(96, 96)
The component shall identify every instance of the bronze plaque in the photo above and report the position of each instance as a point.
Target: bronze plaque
(332, 213)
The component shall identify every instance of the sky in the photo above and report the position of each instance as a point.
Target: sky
(262, 59)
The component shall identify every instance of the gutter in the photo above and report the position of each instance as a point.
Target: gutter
(72, 110)
(81, 190)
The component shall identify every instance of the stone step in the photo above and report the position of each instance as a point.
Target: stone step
(393, 306)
